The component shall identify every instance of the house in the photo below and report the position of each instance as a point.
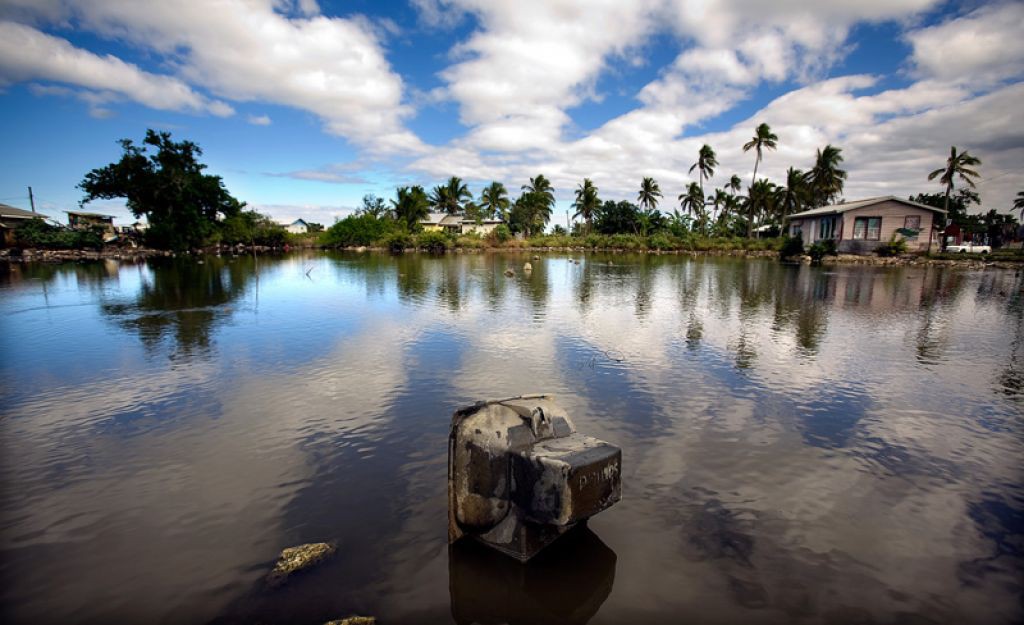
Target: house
(11, 218)
(79, 220)
(859, 227)
(299, 226)
(458, 224)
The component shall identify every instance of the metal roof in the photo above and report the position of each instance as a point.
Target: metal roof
(434, 218)
(18, 213)
(85, 214)
(849, 206)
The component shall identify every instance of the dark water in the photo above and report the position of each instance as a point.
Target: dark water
(799, 444)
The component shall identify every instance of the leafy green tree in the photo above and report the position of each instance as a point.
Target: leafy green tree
(958, 204)
(649, 193)
(617, 218)
(314, 227)
(763, 139)
(537, 202)
(958, 165)
(373, 205)
(586, 203)
(825, 180)
(494, 200)
(410, 206)
(251, 228)
(705, 165)
(168, 186)
(761, 201)
(362, 228)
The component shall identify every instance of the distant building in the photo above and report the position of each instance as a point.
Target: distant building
(299, 226)
(11, 218)
(79, 220)
(458, 224)
(859, 227)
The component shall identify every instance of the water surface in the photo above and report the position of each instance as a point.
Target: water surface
(814, 445)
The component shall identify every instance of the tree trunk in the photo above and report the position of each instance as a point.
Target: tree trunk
(750, 196)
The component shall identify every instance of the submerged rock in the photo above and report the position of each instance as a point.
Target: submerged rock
(294, 559)
(354, 620)
(527, 267)
(510, 273)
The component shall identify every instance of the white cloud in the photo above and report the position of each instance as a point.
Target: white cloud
(26, 53)
(259, 120)
(983, 47)
(251, 51)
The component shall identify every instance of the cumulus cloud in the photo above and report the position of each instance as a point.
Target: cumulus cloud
(26, 53)
(285, 53)
(981, 48)
(259, 120)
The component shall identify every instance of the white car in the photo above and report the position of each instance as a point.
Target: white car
(968, 248)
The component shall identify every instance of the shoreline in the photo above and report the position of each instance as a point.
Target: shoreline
(61, 256)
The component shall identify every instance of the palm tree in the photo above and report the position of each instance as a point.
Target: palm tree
(826, 179)
(793, 196)
(410, 206)
(586, 202)
(705, 165)
(761, 201)
(649, 193)
(494, 200)
(449, 198)
(734, 184)
(718, 201)
(1018, 204)
(693, 201)
(956, 165)
(763, 139)
(539, 196)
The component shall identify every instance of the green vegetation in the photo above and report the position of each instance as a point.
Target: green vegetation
(250, 228)
(36, 233)
(958, 165)
(792, 247)
(183, 205)
(820, 249)
(895, 247)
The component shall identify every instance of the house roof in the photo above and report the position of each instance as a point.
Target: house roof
(849, 206)
(17, 213)
(434, 218)
(298, 222)
(85, 214)
(482, 221)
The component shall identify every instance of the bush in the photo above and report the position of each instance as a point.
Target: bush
(433, 241)
(501, 234)
(664, 241)
(362, 229)
(792, 246)
(470, 241)
(397, 242)
(892, 248)
(37, 233)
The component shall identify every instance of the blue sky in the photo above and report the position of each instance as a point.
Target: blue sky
(304, 107)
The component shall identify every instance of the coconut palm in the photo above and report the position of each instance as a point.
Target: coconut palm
(449, 197)
(734, 184)
(957, 165)
(494, 200)
(1018, 204)
(793, 197)
(649, 193)
(719, 201)
(764, 139)
(410, 206)
(705, 165)
(586, 202)
(693, 202)
(762, 200)
(825, 179)
(539, 197)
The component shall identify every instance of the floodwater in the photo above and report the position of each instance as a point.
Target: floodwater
(800, 445)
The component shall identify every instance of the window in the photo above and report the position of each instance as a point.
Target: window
(867, 228)
(911, 227)
(827, 227)
(796, 228)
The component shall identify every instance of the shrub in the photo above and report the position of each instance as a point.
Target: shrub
(433, 241)
(361, 229)
(471, 241)
(501, 234)
(895, 247)
(664, 241)
(792, 246)
(39, 234)
(396, 242)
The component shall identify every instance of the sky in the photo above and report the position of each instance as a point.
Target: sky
(303, 107)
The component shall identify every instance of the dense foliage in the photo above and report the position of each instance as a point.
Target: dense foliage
(163, 180)
(36, 233)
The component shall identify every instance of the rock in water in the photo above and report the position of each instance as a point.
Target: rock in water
(295, 559)
(510, 273)
(354, 620)
(527, 267)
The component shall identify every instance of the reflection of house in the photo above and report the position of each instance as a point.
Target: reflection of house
(83, 221)
(859, 227)
(299, 226)
(457, 224)
(11, 218)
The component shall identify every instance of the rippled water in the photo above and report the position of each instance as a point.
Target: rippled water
(799, 444)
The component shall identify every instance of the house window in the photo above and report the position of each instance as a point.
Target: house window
(827, 227)
(867, 228)
(796, 228)
(911, 227)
